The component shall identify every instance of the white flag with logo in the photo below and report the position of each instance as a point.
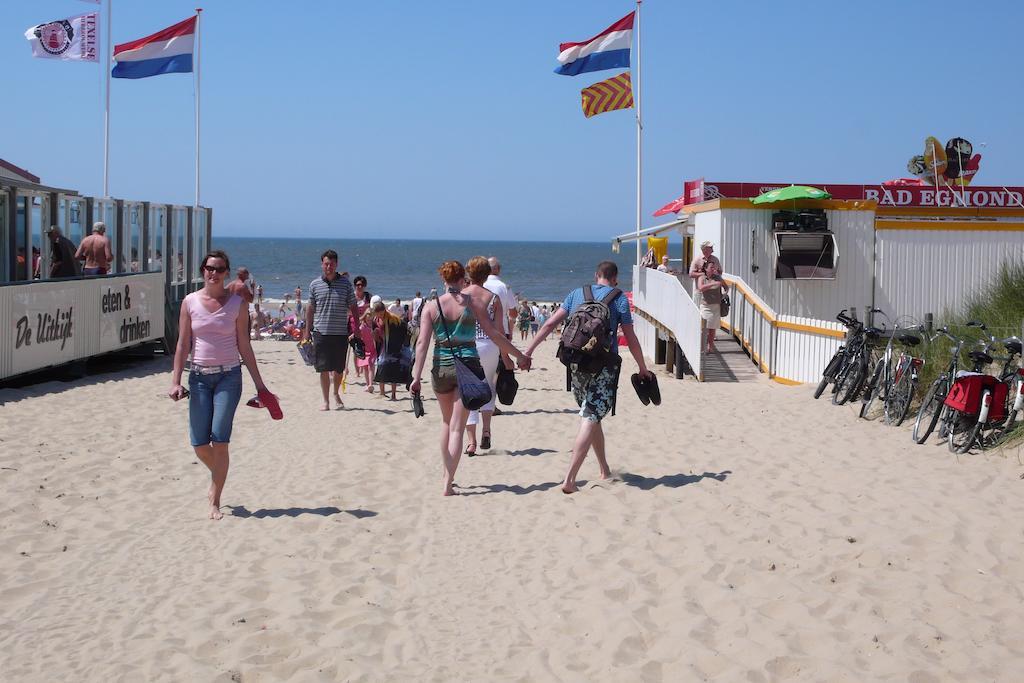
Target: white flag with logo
(74, 38)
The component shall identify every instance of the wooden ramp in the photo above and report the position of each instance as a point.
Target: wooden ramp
(729, 363)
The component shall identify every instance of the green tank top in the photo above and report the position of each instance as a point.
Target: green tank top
(460, 339)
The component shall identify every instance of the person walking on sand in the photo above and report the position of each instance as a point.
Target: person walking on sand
(95, 251)
(453, 317)
(213, 331)
(523, 320)
(331, 302)
(711, 288)
(478, 269)
(595, 388)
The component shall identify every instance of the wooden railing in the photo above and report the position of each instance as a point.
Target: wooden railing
(779, 345)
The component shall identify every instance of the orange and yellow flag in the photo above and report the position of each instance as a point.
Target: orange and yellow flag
(609, 95)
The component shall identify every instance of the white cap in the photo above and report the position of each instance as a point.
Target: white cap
(375, 300)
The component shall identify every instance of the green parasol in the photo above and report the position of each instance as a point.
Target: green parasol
(791, 192)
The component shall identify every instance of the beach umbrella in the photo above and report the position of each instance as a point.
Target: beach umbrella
(792, 192)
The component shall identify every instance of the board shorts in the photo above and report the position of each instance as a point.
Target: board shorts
(330, 352)
(595, 391)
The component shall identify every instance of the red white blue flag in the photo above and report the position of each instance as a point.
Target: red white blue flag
(609, 49)
(165, 52)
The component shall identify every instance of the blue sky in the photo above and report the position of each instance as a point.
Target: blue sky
(444, 119)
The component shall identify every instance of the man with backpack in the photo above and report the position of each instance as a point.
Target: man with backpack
(589, 349)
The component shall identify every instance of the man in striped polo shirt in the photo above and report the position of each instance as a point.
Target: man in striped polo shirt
(331, 300)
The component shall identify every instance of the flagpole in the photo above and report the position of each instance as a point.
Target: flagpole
(106, 113)
(198, 79)
(639, 132)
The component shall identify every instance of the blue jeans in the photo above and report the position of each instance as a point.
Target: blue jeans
(211, 405)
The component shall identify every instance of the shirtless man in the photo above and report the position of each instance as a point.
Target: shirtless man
(240, 286)
(95, 251)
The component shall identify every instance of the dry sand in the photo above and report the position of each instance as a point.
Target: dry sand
(752, 535)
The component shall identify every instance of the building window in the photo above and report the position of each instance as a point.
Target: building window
(805, 255)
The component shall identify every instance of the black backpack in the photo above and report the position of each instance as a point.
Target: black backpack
(586, 336)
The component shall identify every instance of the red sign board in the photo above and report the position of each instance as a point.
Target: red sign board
(926, 196)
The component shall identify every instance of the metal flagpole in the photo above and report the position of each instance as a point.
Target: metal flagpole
(639, 129)
(106, 113)
(198, 76)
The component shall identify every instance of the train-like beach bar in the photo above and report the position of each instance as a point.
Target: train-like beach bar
(55, 321)
(907, 250)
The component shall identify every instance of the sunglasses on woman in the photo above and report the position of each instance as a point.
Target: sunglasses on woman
(215, 269)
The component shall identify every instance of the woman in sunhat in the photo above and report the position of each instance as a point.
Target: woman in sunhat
(213, 330)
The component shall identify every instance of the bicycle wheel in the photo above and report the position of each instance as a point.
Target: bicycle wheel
(897, 403)
(931, 409)
(848, 383)
(963, 431)
(828, 375)
(872, 390)
(1012, 415)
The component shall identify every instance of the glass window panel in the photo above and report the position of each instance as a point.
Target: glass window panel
(106, 210)
(133, 236)
(21, 270)
(199, 239)
(4, 254)
(179, 226)
(157, 221)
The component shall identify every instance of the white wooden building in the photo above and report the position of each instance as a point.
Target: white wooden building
(789, 284)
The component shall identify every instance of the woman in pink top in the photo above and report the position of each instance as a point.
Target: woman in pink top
(213, 328)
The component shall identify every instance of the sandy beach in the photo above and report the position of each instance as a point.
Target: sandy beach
(750, 534)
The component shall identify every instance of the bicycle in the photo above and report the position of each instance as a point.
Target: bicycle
(895, 381)
(977, 402)
(842, 355)
(850, 377)
(932, 407)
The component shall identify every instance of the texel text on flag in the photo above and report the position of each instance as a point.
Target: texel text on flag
(609, 49)
(71, 39)
(165, 52)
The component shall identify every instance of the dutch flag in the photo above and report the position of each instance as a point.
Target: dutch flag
(165, 52)
(609, 49)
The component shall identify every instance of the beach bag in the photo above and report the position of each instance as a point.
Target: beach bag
(394, 368)
(505, 385)
(585, 340)
(724, 306)
(474, 391)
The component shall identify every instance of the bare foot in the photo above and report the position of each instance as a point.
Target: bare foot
(606, 474)
(325, 406)
(448, 489)
(215, 512)
(339, 404)
(370, 389)
(569, 488)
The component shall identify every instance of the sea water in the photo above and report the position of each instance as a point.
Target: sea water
(538, 271)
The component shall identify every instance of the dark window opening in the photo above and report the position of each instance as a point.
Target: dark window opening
(805, 256)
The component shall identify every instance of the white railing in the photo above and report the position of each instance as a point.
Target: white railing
(662, 299)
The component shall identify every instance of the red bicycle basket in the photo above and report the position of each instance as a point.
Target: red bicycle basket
(965, 395)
